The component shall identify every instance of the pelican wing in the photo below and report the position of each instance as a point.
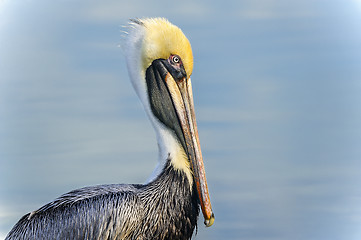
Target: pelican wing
(97, 212)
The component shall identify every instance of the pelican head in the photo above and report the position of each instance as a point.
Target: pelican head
(160, 63)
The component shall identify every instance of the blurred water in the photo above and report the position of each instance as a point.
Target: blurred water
(277, 93)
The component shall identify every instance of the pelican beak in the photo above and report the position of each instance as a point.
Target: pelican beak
(185, 110)
(171, 100)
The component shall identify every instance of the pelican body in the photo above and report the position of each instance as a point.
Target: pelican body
(160, 62)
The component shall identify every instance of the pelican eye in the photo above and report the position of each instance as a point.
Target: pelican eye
(175, 59)
(176, 67)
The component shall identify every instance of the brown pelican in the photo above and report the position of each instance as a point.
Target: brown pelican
(160, 62)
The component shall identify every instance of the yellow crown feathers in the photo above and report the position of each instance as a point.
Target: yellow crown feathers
(163, 39)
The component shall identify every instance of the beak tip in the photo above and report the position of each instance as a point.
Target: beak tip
(209, 222)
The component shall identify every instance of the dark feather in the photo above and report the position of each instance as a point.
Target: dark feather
(165, 208)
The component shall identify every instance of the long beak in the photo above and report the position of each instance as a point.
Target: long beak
(182, 97)
(171, 101)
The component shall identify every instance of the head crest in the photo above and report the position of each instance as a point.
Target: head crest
(163, 39)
